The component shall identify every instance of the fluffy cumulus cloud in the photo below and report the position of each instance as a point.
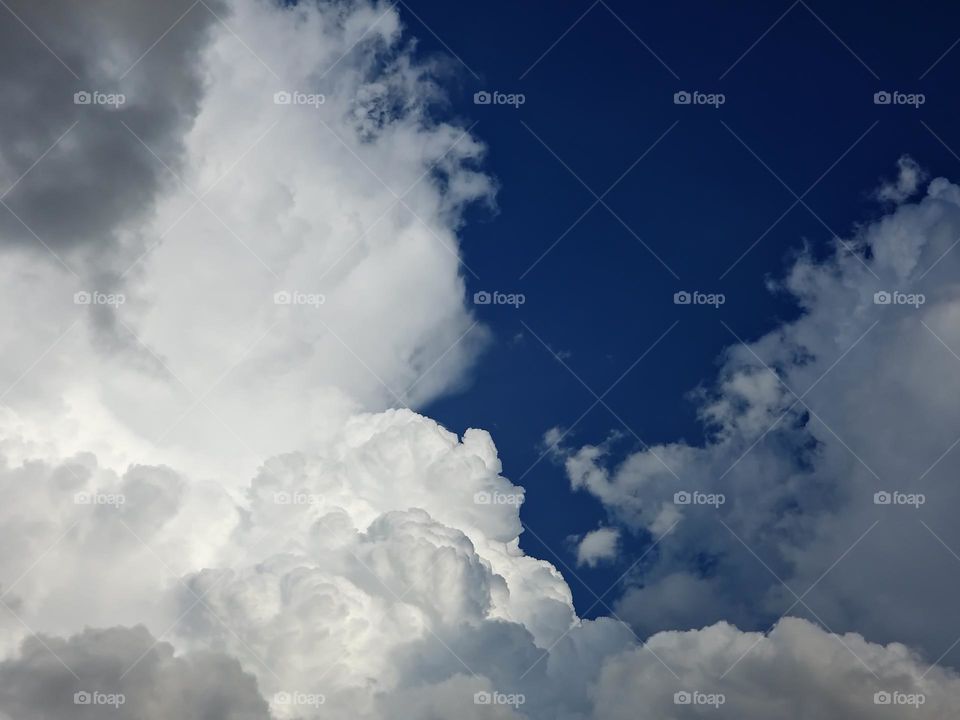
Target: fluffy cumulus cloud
(827, 486)
(598, 546)
(346, 577)
(210, 510)
(794, 671)
(361, 579)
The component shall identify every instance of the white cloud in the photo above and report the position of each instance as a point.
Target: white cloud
(357, 572)
(361, 574)
(795, 671)
(598, 546)
(352, 206)
(910, 176)
(799, 476)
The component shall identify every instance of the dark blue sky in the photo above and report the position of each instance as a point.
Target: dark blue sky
(801, 100)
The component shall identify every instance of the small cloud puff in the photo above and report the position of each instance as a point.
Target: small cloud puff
(598, 546)
(910, 176)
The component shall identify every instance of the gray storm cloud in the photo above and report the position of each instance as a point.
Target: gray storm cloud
(124, 673)
(95, 171)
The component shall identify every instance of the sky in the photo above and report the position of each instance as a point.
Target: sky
(798, 97)
(492, 360)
